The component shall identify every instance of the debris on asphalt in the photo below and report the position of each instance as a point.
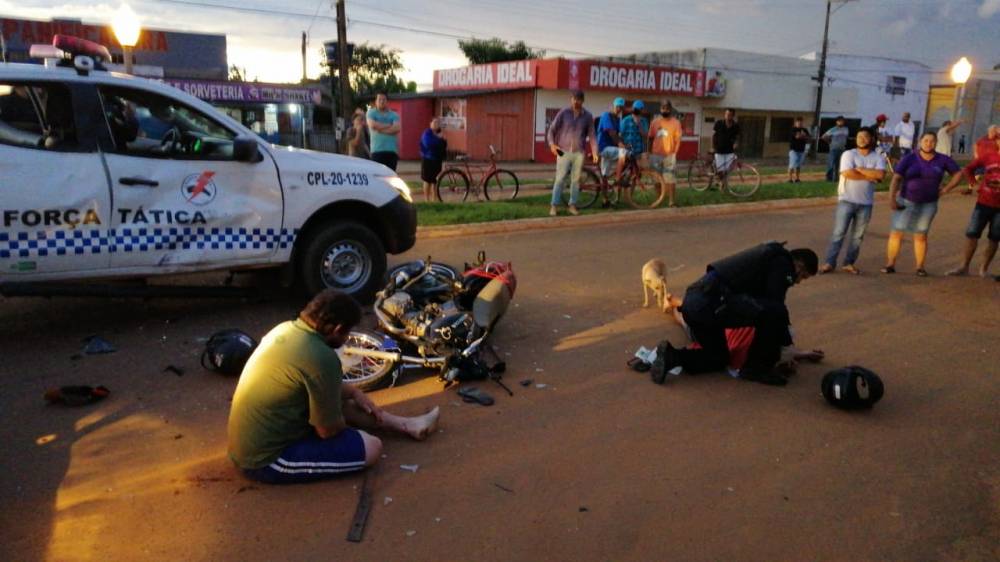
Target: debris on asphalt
(96, 345)
(539, 370)
(567, 317)
(387, 500)
(504, 488)
(245, 489)
(583, 509)
(411, 467)
(526, 382)
(76, 395)
(179, 436)
(474, 394)
(541, 385)
(174, 369)
(410, 533)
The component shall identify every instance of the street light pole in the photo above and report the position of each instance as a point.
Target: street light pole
(960, 73)
(821, 78)
(342, 55)
(126, 27)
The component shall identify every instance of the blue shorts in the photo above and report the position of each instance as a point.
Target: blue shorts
(795, 159)
(915, 218)
(313, 458)
(609, 158)
(983, 215)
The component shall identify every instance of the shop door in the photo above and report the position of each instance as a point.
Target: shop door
(503, 132)
(752, 136)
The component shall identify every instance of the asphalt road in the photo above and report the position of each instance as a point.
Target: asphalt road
(598, 465)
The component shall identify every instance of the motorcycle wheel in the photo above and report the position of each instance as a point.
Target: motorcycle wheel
(365, 372)
(438, 268)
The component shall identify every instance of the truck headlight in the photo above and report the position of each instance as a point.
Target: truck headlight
(400, 186)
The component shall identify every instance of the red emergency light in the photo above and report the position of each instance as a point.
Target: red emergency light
(77, 46)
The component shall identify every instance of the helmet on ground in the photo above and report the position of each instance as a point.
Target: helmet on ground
(637, 104)
(852, 388)
(619, 102)
(227, 351)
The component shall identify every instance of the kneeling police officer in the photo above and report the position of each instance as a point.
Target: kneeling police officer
(745, 289)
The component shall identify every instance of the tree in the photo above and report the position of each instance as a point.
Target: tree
(482, 51)
(237, 74)
(374, 68)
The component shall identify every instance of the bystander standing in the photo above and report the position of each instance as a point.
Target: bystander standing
(944, 136)
(903, 133)
(433, 148)
(571, 130)
(357, 136)
(664, 143)
(986, 212)
(725, 141)
(837, 138)
(383, 126)
(797, 151)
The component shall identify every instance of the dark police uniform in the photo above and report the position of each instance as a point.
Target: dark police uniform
(745, 289)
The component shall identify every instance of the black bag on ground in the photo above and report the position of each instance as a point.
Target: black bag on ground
(227, 351)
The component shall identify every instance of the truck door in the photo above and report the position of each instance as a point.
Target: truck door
(54, 197)
(180, 199)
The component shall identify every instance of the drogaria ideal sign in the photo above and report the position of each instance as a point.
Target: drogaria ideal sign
(595, 75)
(493, 76)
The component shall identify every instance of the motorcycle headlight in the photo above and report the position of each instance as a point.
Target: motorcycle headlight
(399, 185)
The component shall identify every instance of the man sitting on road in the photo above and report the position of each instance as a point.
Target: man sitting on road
(746, 289)
(291, 419)
(609, 142)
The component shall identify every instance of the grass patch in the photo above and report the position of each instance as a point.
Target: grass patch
(537, 205)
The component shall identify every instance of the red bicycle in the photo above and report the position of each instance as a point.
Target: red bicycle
(454, 183)
(640, 188)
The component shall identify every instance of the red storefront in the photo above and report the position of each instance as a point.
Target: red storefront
(510, 104)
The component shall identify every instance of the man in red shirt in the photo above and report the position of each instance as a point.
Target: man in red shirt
(987, 144)
(987, 210)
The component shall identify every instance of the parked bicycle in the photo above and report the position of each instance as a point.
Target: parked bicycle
(640, 188)
(454, 183)
(740, 180)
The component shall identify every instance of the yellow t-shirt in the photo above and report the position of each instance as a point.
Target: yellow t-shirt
(666, 136)
(290, 384)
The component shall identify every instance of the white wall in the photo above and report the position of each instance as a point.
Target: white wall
(867, 76)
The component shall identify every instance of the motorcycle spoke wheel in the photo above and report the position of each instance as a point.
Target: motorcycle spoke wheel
(364, 372)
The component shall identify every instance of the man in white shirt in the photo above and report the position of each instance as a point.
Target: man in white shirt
(904, 132)
(860, 169)
(944, 137)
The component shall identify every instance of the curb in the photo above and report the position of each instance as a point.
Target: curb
(629, 217)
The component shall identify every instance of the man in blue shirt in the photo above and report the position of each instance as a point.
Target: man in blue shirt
(609, 142)
(383, 126)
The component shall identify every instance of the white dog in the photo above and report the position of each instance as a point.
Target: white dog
(654, 277)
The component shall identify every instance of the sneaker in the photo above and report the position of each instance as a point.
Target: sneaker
(553, 211)
(666, 359)
(573, 211)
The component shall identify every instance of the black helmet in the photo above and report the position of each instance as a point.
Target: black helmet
(852, 388)
(227, 351)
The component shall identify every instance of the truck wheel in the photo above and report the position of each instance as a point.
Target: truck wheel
(346, 256)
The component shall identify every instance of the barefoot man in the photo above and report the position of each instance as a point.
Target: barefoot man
(292, 420)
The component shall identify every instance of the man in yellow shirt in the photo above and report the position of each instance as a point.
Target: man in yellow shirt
(665, 141)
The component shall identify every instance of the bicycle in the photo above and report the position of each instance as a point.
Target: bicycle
(740, 180)
(640, 188)
(454, 184)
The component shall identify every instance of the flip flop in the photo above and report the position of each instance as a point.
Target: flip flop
(473, 394)
(888, 269)
(851, 269)
(76, 395)
(921, 272)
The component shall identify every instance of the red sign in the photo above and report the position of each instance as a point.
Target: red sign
(24, 33)
(596, 75)
(493, 76)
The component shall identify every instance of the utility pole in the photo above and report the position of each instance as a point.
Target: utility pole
(821, 78)
(303, 57)
(345, 101)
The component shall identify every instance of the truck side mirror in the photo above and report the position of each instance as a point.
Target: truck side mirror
(245, 149)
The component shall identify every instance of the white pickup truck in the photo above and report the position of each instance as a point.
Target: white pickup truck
(104, 175)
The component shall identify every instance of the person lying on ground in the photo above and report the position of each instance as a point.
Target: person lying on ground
(292, 420)
(739, 340)
(744, 290)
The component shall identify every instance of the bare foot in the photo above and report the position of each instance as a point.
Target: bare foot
(983, 272)
(420, 427)
(958, 272)
(813, 356)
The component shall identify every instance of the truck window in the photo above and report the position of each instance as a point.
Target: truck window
(37, 116)
(153, 126)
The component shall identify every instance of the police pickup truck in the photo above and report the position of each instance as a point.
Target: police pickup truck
(103, 175)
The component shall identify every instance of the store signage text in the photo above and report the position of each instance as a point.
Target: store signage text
(515, 74)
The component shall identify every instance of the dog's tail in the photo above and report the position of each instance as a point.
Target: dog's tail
(678, 268)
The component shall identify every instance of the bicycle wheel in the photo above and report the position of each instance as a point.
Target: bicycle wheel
(590, 186)
(362, 371)
(699, 175)
(452, 186)
(502, 184)
(646, 192)
(743, 180)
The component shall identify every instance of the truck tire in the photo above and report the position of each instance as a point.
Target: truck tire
(346, 256)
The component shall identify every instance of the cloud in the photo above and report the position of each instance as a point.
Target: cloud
(900, 27)
(989, 8)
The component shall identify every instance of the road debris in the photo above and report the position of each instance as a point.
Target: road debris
(410, 467)
(96, 345)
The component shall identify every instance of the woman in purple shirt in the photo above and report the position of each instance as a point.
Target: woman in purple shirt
(919, 174)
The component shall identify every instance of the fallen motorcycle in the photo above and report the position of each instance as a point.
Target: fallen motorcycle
(432, 317)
